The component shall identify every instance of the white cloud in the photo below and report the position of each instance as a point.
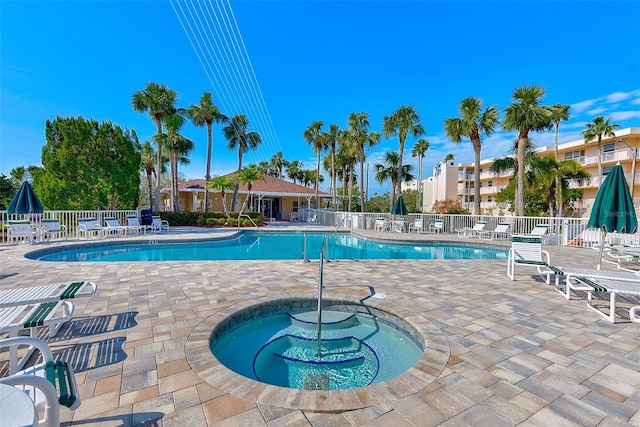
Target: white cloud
(635, 101)
(596, 111)
(625, 115)
(579, 107)
(618, 96)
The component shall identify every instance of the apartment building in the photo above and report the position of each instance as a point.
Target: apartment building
(624, 148)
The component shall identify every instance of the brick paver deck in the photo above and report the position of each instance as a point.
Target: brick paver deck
(502, 352)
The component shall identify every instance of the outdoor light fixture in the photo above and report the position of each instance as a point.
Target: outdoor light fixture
(634, 153)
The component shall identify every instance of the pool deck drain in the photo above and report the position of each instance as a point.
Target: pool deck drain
(520, 354)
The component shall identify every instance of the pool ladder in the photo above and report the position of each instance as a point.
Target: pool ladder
(325, 246)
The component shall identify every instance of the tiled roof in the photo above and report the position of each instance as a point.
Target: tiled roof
(270, 185)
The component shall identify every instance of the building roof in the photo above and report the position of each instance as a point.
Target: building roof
(270, 185)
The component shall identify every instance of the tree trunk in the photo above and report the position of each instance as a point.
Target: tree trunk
(362, 206)
(317, 180)
(235, 190)
(207, 175)
(476, 176)
(600, 158)
(400, 154)
(522, 142)
(156, 206)
(350, 187)
(333, 178)
(150, 185)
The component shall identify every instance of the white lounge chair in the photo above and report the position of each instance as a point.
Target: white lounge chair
(159, 223)
(21, 231)
(540, 230)
(611, 287)
(46, 293)
(134, 223)
(471, 231)
(49, 383)
(313, 218)
(87, 227)
(569, 275)
(417, 225)
(52, 228)
(437, 226)
(526, 250)
(113, 226)
(500, 232)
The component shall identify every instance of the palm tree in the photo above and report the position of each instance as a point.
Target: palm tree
(248, 176)
(547, 174)
(403, 122)
(348, 151)
(525, 115)
(148, 156)
(595, 130)
(361, 139)
(277, 163)
(559, 112)
(222, 184)
(313, 136)
(331, 141)
(178, 145)
(238, 136)
(471, 124)
(419, 149)
(448, 157)
(388, 171)
(206, 113)
(159, 101)
(293, 170)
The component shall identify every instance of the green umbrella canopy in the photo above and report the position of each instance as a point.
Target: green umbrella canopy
(613, 207)
(25, 201)
(399, 208)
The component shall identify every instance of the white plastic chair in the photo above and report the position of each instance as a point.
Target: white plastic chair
(526, 250)
(49, 383)
(51, 227)
(21, 230)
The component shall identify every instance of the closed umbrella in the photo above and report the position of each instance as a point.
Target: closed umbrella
(613, 207)
(399, 208)
(25, 201)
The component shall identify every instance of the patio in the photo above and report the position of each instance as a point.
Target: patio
(518, 353)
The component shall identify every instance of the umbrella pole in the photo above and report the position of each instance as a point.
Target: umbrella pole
(602, 234)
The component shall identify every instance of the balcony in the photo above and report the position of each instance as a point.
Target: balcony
(595, 181)
(608, 157)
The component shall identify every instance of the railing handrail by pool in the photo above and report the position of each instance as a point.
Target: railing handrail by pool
(562, 231)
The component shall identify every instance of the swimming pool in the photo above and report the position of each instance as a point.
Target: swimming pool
(251, 245)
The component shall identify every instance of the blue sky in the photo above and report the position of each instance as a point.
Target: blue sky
(312, 60)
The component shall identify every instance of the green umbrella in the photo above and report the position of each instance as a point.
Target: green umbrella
(399, 208)
(613, 207)
(25, 201)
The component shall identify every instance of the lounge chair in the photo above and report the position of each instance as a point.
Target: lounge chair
(87, 227)
(159, 223)
(611, 287)
(52, 228)
(571, 273)
(313, 218)
(21, 231)
(133, 222)
(526, 250)
(471, 231)
(633, 314)
(49, 383)
(416, 226)
(437, 226)
(500, 232)
(46, 293)
(540, 230)
(113, 226)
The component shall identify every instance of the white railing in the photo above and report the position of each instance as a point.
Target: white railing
(562, 231)
(67, 218)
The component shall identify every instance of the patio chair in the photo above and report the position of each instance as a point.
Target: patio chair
(416, 226)
(540, 230)
(87, 227)
(633, 314)
(52, 228)
(500, 232)
(437, 226)
(526, 250)
(113, 226)
(399, 225)
(313, 218)
(381, 224)
(570, 273)
(46, 293)
(611, 287)
(133, 222)
(471, 231)
(21, 231)
(49, 383)
(159, 223)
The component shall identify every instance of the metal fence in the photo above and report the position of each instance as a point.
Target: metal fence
(562, 231)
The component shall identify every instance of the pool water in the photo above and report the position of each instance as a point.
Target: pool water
(277, 349)
(269, 246)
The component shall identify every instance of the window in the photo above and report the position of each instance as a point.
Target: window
(490, 184)
(608, 147)
(574, 154)
(490, 199)
(606, 170)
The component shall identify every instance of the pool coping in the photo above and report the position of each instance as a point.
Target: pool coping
(425, 371)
